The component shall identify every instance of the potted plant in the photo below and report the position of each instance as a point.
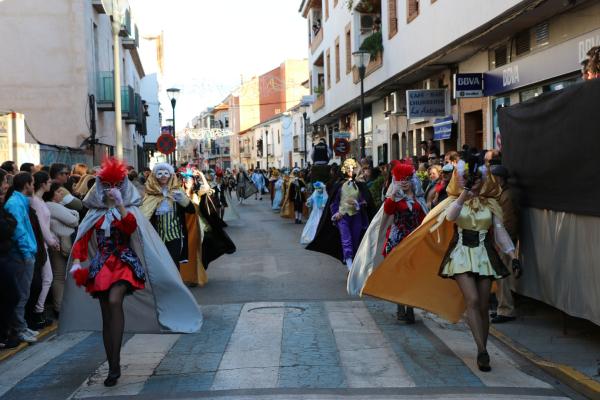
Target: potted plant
(373, 44)
(318, 90)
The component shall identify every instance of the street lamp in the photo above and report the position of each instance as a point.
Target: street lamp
(305, 133)
(361, 58)
(173, 94)
(117, 20)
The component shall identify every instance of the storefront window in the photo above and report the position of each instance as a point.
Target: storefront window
(496, 104)
(530, 94)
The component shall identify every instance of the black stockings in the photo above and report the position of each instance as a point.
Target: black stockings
(113, 323)
(476, 292)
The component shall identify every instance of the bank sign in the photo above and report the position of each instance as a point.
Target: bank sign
(468, 85)
(427, 103)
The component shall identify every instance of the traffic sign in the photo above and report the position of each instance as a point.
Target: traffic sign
(166, 144)
(341, 147)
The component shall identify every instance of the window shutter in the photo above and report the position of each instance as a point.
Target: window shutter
(542, 34)
(392, 18)
(523, 42)
(500, 56)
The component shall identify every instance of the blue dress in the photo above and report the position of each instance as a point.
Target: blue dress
(278, 198)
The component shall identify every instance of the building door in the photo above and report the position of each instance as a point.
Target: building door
(474, 129)
(395, 147)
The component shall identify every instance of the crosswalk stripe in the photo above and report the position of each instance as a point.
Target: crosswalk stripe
(505, 372)
(28, 361)
(366, 356)
(139, 357)
(252, 356)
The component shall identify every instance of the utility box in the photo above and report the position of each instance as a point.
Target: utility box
(13, 145)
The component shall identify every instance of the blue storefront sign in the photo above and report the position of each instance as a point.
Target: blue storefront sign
(561, 59)
(442, 128)
(468, 85)
(427, 103)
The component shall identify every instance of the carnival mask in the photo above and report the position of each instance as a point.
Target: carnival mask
(162, 173)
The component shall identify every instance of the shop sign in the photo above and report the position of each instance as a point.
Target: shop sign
(442, 128)
(468, 85)
(341, 135)
(427, 103)
(561, 59)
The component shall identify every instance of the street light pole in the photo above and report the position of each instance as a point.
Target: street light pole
(267, 142)
(116, 28)
(173, 94)
(305, 133)
(361, 56)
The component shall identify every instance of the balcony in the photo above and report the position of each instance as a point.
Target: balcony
(99, 6)
(126, 24)
(319, 103)
(318, 39)
(128, 110)
(132, 42)
(105, 91)
(374, 64)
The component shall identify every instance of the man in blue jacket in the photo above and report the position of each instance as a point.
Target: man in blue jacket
(24, 248)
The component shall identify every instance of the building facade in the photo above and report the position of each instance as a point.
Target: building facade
(59, 74)
(522, 48)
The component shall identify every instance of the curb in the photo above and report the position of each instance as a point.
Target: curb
(568, 375)
(6, 354)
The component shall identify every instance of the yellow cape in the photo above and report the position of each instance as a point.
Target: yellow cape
(193, 272)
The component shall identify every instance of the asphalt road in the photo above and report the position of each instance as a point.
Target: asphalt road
(278, 324)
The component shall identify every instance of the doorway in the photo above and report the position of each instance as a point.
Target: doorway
(474, 129)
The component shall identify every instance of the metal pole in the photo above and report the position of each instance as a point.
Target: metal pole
(305, 133)
(174, 154)
(116, 28)
(267, 132)
(362, 113)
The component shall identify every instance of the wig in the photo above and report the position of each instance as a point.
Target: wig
(113, 171)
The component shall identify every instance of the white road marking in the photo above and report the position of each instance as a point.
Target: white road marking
(251, 359)
(139, 358)
(365, 354)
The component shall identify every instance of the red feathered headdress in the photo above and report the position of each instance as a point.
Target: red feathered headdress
(113, 171)
(403, 171)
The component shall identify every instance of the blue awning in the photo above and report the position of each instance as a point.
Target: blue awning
(442, 128)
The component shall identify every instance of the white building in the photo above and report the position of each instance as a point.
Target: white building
(57, 70)
(421, 44)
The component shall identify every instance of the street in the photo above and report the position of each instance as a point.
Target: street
(279, 325)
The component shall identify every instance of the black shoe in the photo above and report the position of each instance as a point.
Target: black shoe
(483, 361)
(38, 322)
(401, 313)
(494, 314)
(500, 319)
(10, 343)
(112, 378)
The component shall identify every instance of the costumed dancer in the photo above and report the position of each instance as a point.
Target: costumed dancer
(193, 272)
(245, 187)
(259, 181)
(296, 196)
(277, 191)
(166, 206)
(287, 206)
(216, 241)
(454, 241)
(110, 239)
(407, 206)
(221, 189)
(316, 202)
(347, 215)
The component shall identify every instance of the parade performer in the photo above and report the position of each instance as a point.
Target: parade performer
(454, 241)
(259, 181)
(193, 271)
(287, 206)
(166, 206)
(347, 215)
(216, 241)
(277, 191)
(407, 206)
(296, 196)
(316, 202)
(245, 187)
(123, 253)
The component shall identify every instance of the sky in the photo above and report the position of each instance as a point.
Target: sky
(211, 44)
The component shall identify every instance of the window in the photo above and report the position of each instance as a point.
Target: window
(542, 34)
(523, 42)
(335, 3)
(392, 18)
(412, 10)
(326, 9)
(500, 56)
(328, 66)
(348, 49)
(337, 59)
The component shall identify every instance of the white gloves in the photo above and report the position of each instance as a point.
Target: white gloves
(181, 198)
(74, 268)
(116, 195)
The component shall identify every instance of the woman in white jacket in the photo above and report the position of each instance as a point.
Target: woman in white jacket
(63, 222)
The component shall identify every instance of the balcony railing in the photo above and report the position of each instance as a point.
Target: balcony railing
(128, 111)
(132, 41)
(126, 24)
(105, 91)
(316, 41)
(319, 102)
(99, 6)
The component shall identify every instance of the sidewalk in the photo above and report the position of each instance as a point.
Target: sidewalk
(566, 347)
(7, 353)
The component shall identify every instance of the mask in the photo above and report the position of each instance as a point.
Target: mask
(162, 173)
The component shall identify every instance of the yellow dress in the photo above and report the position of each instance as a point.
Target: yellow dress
(471, 259)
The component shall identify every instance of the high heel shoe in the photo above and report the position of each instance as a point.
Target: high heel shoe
(483, 361)
(112, 378)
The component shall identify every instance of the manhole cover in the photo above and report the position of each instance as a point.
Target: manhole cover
(268, 309)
